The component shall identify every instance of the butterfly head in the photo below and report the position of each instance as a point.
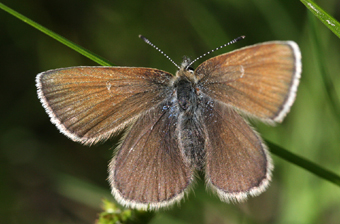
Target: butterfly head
(186, 71)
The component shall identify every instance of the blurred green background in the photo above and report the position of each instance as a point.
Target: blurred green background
(47, 178)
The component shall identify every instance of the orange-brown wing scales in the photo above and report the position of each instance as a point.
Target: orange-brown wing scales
(149, 170)
(237, 164)
(257, 80)
(89, 103)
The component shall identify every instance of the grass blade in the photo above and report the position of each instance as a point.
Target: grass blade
(304, 163)
(324, 17)
(57, 37)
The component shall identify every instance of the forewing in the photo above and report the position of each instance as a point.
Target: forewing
(237, 163)
(88, 104)
(260, 80)
(149, 170)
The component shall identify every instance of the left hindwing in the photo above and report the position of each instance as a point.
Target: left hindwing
(237, 163)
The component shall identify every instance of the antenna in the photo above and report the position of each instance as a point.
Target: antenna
(209, 52)
(154, 46)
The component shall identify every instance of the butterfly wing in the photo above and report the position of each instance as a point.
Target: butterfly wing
(237, 162)
(260, 80)
(88, 104)
(149, 171)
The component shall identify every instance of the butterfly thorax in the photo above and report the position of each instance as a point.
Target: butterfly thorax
(186, 96)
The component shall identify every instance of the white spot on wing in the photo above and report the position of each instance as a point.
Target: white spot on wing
(108, 86)
(242, 71)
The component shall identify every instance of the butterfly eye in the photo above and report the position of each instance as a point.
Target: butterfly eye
(190, 69)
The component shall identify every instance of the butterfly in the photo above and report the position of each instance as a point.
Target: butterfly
(178, 125)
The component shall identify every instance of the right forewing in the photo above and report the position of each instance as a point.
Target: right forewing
(88, 104)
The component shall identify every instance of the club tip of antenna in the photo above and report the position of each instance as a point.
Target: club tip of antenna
(142, 37)
(240, 38)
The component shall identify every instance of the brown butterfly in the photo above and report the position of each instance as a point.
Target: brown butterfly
(176, 125)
